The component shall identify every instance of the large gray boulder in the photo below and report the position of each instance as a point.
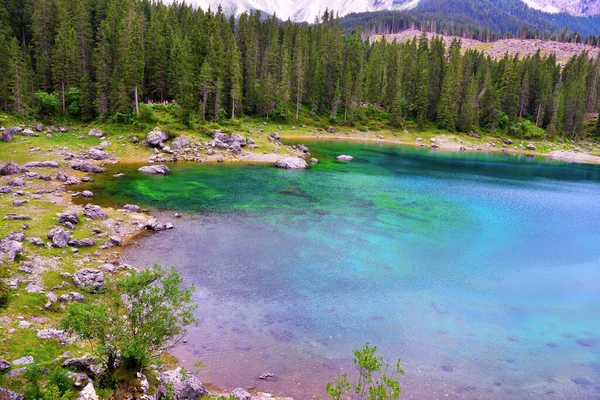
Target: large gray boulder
(42, 164)
(180, 142)
(60, 237)
(9, 249)
(156, 137)
(154, 224)
(89, 278)
(69, 216)
(86, 166)
(11, 168)
(9, 133)
(159, 169)
(291, 163)
(87, 242)
(94, 212)
(97, 154)
(186, 387)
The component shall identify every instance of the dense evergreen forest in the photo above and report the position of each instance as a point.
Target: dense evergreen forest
(95, 58)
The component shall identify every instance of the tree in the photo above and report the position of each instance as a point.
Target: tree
(377, 380)
(205, 86)
(142, 316)
(19, 78)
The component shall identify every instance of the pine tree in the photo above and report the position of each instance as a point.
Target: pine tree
(468, 116)
(43, 38)
(19, 79)
(205, 87)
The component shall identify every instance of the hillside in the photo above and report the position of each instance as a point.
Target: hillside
(497, 49)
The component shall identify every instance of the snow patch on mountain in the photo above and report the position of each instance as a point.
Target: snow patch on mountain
(573, 7)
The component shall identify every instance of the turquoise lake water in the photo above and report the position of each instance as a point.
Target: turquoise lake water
(480, 272)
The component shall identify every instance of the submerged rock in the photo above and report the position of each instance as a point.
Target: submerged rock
(291, 163)
(344, 157)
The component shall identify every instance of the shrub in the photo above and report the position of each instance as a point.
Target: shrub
(47, 103)
(147, 114)
(4, 294)
(60, 380)
(120, 118)
(373, 383)
(143, 315)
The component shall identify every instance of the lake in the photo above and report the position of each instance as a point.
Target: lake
(481, 272)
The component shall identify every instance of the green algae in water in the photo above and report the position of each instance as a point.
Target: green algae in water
(488, 265)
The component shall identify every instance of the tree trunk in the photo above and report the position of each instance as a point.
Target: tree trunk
(137, 104)
(539, 114)
(63, 96)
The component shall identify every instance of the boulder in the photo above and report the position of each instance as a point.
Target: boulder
(331, 129)
(6, 394)
(17, 217)
(60, 237)
(88, 393)
(116, 241)
(508, 141)
(240, 394)
(16, 182)
(154, 224)
(303, 148)
(72, 296)
(68, 216)
(9, 249)
(79, 363)
(27, 267)
(5, 189)
(275, 135)
(4, 365)
(185, 387)
(97, 154)
(159, 169)
(60, 335)
(42, 164)
(82, 243)
(39, 127)
(131, 208)
(61, 176)
(180, 142)
(291, 163)
(344, 157)
(87, 193)
(95, 133)
(85, 166)
(94, 212)
(36, 241)
(11, 168)
(89, 278)
(28, 132)
(156, 137)
(26, 360)
(531, 147)
(9, 133)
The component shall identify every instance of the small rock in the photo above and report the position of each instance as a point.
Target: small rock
(344, 157)
(86, 166)
(159, 169)
(88, 393)
(87, 193)
(95, 133)
(23, 361)
(240, 394)
(115, 240)
(89, 278)
(131, 208)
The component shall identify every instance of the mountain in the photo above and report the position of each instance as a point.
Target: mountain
(573, 7)
(308, 10)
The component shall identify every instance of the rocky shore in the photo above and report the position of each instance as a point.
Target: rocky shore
(54, 251)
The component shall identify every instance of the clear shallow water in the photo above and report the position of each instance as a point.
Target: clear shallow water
(481, 272)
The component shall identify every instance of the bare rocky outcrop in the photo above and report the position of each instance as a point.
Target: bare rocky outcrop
(291, 163)
(89, 278)
(160, 169)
